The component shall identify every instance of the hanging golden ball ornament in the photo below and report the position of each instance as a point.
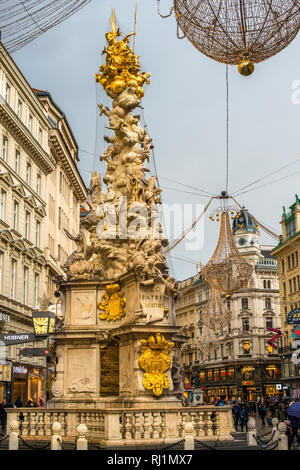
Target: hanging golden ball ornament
(246, 67)
(241, 32)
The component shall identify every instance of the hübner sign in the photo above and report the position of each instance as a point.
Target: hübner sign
(8, 339)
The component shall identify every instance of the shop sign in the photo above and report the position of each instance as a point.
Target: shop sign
(248, 382)
(14, 338)
(19, 370)
(296, 333)
(285, 387)
(278, 386)
(293, 317)
(4, 317)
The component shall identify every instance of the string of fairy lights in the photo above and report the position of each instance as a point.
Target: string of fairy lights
(22, 21)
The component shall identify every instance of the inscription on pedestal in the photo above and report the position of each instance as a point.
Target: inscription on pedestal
(109, 382)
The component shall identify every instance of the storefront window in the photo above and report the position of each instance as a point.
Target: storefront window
(223, 375)
(270, 390)
(272, 372)
(231, 373)
(248, 373)
(202, 376)
(232, 393)
(216, 375)
(209, 376)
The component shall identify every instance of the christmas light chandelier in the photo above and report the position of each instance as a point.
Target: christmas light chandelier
(237, 32)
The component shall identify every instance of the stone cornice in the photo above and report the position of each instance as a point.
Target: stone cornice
(10, 182)
(17, 79)
(68, 164)
(25, 138)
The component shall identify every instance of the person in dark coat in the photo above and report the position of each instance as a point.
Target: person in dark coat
(262, 414)
(289, 433)
(18, 402)
(236, 412)
(3, 416)
(221, 401)
(244, 417)
(29, 404)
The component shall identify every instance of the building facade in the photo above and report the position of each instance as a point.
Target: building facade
(65, 192)
(238, 362)
(40, 194)
(25, 163)
(287, 253)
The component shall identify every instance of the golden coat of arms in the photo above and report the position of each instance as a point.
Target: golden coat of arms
(113, 303)
(155, 361)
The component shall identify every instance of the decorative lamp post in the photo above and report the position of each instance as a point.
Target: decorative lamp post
(43, 318)
(43, 322)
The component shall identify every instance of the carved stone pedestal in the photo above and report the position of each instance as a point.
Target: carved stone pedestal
(115, 347)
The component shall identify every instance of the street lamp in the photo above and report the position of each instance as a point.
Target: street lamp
(43, 322)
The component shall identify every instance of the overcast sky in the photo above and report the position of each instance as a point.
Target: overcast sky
(185, 112)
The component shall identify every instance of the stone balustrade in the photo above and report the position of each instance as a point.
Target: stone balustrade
(127, 426)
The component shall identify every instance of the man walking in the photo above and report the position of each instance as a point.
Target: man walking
(236, 412)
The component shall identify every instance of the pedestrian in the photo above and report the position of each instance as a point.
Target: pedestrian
(221, 401)
(236, 412)
(289, 433)
(29, 404)
(263, 413)
(279, 412)
(18, 402)
(295, 421)
(244, 417)
(41, 402)
(3, 415)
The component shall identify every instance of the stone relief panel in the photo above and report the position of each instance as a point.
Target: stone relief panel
(81, 367)
(83, 311)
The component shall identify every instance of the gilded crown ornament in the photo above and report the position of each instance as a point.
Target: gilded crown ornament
(121, 68)
(113, 303)
(155, 361)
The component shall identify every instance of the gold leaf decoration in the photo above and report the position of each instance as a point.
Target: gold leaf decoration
(121, 68)
(113, 303)
(155, 361)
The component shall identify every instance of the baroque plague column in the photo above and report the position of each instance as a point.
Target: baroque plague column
(118, 343)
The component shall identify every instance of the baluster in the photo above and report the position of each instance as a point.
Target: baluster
(32, 424)
(146, 425)
(156, 425)
(102, 425)
(48, 424)
(163, 424)
(41, 430)
(180, 424)
(208, 424)
(216, 425)
(200, 425)
(184, 419)
(25, 431)
(63, 424)
(89, 420)
(128, 426)
(138, 426)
